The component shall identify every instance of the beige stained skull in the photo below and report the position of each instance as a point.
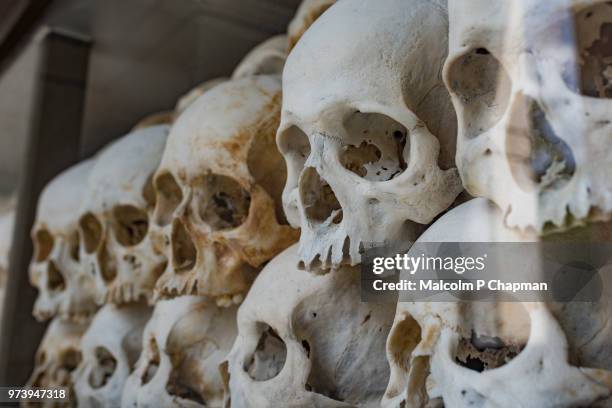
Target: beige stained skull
(115, 218)
(110, 348)
(497, 355)
(218, 216)
(267, 58)
(57, 357)
(65, 288)
(183, 345)
(367, 128)
(306, 14)
(531, 83)
(307, 340)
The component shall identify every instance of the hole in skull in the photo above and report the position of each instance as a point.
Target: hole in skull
(294, 144)
(104, 369)
(148, 192)
(91, 231)
(378, 146)
(70, 360)
(107, 265)
(268, 168)
(318, 198)
(269, 357)
(55, 280)
(152, 363)
(74, 246)
(480, 353)
(169, 196)
(593, 27)
(483, 88)
(536, 153)
(224, 203)
(183, 250)
(43, 241)
(130, 224)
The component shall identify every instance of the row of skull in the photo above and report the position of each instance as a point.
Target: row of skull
(378, 104)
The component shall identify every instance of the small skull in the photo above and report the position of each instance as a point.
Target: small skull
(115, 218)
(219, 216)
(268, 58)
(306, 14)
(307, 340)
(183, 345)
(531, 83)
(110, 347)
(463, 352)
(57, 357)
(363, 165)
(65, 288)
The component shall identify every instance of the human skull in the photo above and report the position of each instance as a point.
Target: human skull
(183, 345)
(492, 355)
(530, 81)
(155, 119)
(307, 340)
(57, 357)
(364, 166)
(219, 215)
(268, 58)
(110, 347)
(191, 96)
(65, 288)
(306, 14)
(115, 218)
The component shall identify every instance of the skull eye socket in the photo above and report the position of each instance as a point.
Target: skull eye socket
(482, 85)
(91, 232)
(169, 196)
(268, 358)
(223, 203)
(104, 369)
(379, 146)
(55, 280)
(593, 27)
(130, 224)
(404, 338)
(70, 360)
(294, 144)
(43, 243)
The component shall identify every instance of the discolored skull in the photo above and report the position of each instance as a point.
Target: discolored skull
(364, 166)
(530, 81)
(110, 347)
(307, 340)
(268, 58)
(306, 14)
(218, 216)
(183, 345)
(65, 288)
(114, 218)
(57, 357)
(496, 354)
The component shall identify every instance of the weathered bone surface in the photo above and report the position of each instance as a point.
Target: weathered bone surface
(268, 58)
(307, 13)
(7, 222)
(191, 96)
(183, 345)
(110, 348)
(219, 214)
(57, 357)
(531, 82)
(65, 288)
(307, 340)
(116, 215)
(366, 163)
(463, 353)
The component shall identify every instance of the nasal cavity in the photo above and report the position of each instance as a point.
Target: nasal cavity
(318, 199)
(104, 368)
(183, 250)
(152, 363)
(55, 280)
(91, 231)
(537, 155)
